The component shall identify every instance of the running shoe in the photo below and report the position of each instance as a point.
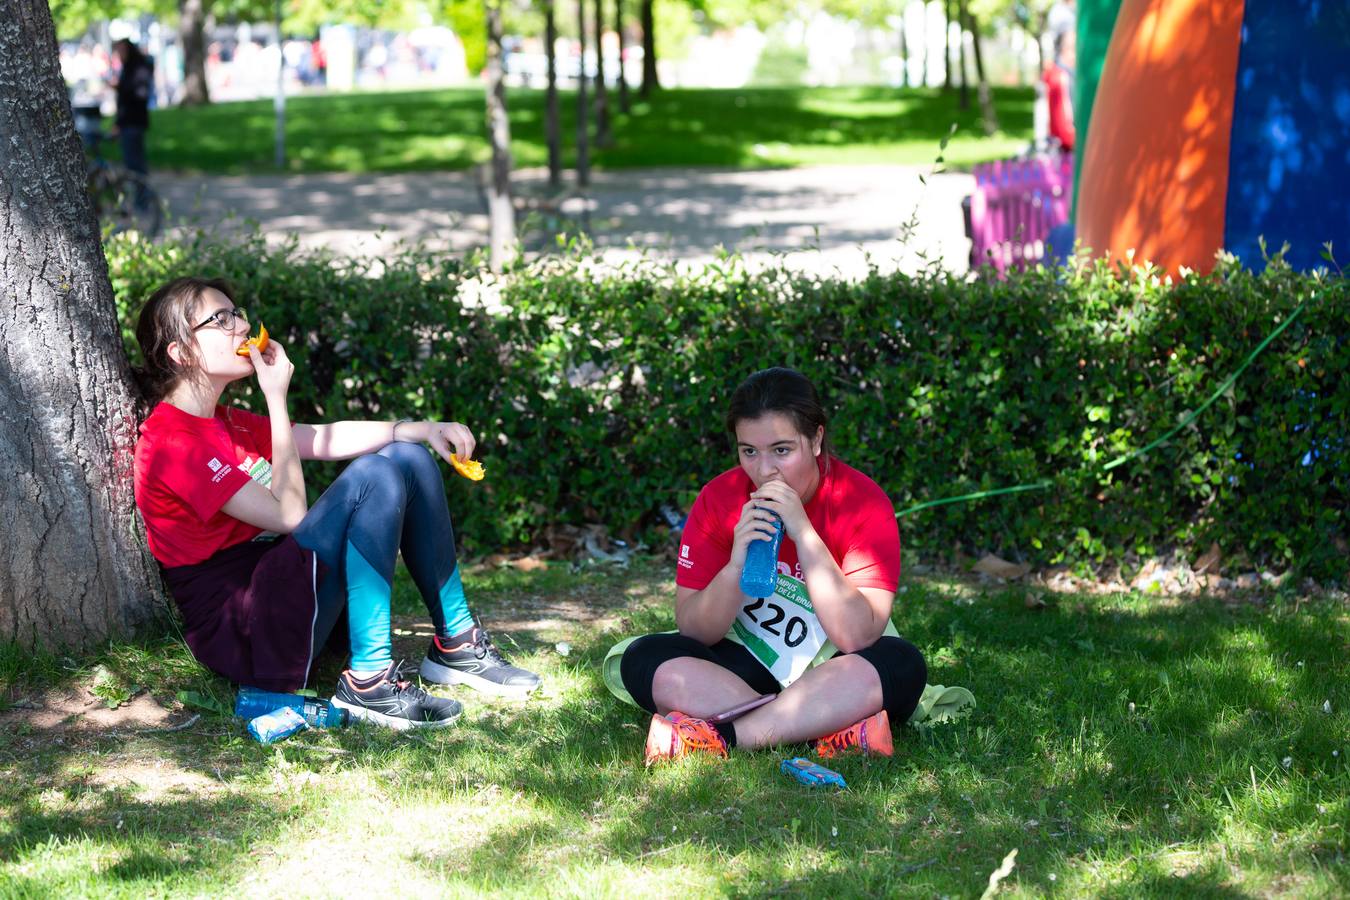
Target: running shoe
(871, 736)
(470, 658)
(676, 734)
(385, 700)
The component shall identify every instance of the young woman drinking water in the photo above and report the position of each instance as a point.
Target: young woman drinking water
(821, 654)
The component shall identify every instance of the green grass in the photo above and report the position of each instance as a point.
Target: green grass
(1124, 745)
(443, 129)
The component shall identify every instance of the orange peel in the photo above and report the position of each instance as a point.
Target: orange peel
(260, 341)
(471, 469)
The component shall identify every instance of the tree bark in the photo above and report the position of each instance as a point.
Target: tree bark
(74, 567)
(649, 80)
(192, 36)
(625, 104)
(501, 213)
(924, 83)
(987, 111)
(552, 129)
(946, 45)
(961, 48)
(583, 104)
(603, 137)
(904, 50)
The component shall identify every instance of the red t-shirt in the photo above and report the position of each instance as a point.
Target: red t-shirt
(187, 468)
(1061, 107)
(850, 512)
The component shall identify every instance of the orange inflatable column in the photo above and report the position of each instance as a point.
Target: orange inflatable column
(1155, 163)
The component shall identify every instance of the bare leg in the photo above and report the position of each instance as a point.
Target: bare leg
(699, 688)
(831, 696)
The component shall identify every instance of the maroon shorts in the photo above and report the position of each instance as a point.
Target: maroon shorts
(249, 610)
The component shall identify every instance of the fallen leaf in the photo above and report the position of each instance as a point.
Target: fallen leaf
(1002, 872)
(528, 564)
(1209, 562)
(1000, 568)
(1035, 600)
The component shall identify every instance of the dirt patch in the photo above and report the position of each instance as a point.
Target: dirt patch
(527, 622)
(151, 780)
(76, 710)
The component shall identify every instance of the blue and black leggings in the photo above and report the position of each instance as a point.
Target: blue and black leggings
(382, 503)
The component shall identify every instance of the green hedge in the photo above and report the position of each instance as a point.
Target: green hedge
(599, 397)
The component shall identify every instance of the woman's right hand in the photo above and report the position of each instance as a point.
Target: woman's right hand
(273, 368)
(756, 524)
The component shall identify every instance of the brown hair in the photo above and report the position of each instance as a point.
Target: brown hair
(785, 391)
(166, 318)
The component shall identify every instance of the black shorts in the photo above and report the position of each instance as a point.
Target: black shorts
(899, 665)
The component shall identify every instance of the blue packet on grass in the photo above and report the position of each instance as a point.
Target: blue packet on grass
(812, 774)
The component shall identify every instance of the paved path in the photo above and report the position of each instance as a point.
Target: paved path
(822, 218)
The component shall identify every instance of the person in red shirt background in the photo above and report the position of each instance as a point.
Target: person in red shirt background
(1058, 78)
(260, 579)
(820, 655)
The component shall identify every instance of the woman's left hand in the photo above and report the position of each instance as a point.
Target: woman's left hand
(451, 437)
(777, 496)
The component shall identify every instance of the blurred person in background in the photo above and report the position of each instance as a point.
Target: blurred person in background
(1058, 81)
(134, 84)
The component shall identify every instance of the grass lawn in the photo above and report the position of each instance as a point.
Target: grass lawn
(443, 129)
(1125, 745)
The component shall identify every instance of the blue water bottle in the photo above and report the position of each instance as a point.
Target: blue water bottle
(760, 575)
(252, 702)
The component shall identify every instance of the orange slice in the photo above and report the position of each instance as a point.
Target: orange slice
(260, 341)
(471, 469)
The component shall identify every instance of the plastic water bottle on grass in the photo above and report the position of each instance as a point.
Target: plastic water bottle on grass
(251, 703)
(760, 575)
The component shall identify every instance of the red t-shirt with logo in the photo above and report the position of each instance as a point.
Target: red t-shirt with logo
(850, 512)
(187, 468)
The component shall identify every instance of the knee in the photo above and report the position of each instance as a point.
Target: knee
(378, 476)
(647, 656)
(902, 671)
(410, 457)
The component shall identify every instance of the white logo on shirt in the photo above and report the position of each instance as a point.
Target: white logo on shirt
(685, 561)
(214, 464)
(684, 550)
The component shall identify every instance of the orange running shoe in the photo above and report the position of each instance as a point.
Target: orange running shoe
(872, 736)
(677, 735)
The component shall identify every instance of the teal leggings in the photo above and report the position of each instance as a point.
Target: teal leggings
(388, 501)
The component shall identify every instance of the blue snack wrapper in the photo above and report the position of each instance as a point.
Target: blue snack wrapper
(276, 725)
(812, 774)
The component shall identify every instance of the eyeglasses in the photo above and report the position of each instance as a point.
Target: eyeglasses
(224, 319)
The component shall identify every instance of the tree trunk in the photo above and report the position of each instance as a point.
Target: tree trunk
(924, 83)
(583, 105)
(501, 214)
(904, 50)
(603, 137)
(191, 34)
(987, 110)
(74, 568)
(961, 48)
(946, 45)
(551, 127)
(649, 81)
(625, 104)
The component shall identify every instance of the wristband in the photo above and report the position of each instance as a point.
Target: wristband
(393, 429)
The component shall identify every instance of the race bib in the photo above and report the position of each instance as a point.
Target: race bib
(782, 631)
